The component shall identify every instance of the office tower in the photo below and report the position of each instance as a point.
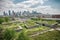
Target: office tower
(9, 13)
(13, 13)
(4, 13)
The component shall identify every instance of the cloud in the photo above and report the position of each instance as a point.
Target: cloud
(30, 5)
(47, 9)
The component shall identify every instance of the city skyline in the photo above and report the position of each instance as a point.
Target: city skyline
(43, 6)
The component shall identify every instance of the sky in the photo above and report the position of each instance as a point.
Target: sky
(43, 6)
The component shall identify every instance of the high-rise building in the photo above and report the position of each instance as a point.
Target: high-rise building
(13, 13)
(9, 12)
(4, 13)
(20, 14)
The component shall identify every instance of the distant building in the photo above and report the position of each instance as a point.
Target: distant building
(30, 14)
(55, 16)
(9, 13)
(4, 13)
(20, 14)
(46, 16)
(13, 14)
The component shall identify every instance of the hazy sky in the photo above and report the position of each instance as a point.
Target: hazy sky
(44, 6)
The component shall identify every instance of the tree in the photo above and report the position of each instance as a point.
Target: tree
(58, 21)
(9, 34)
(1, 20)
(6, 19)
(1, 33)
(23, 36)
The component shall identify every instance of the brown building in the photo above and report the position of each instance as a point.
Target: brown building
(55, 16)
